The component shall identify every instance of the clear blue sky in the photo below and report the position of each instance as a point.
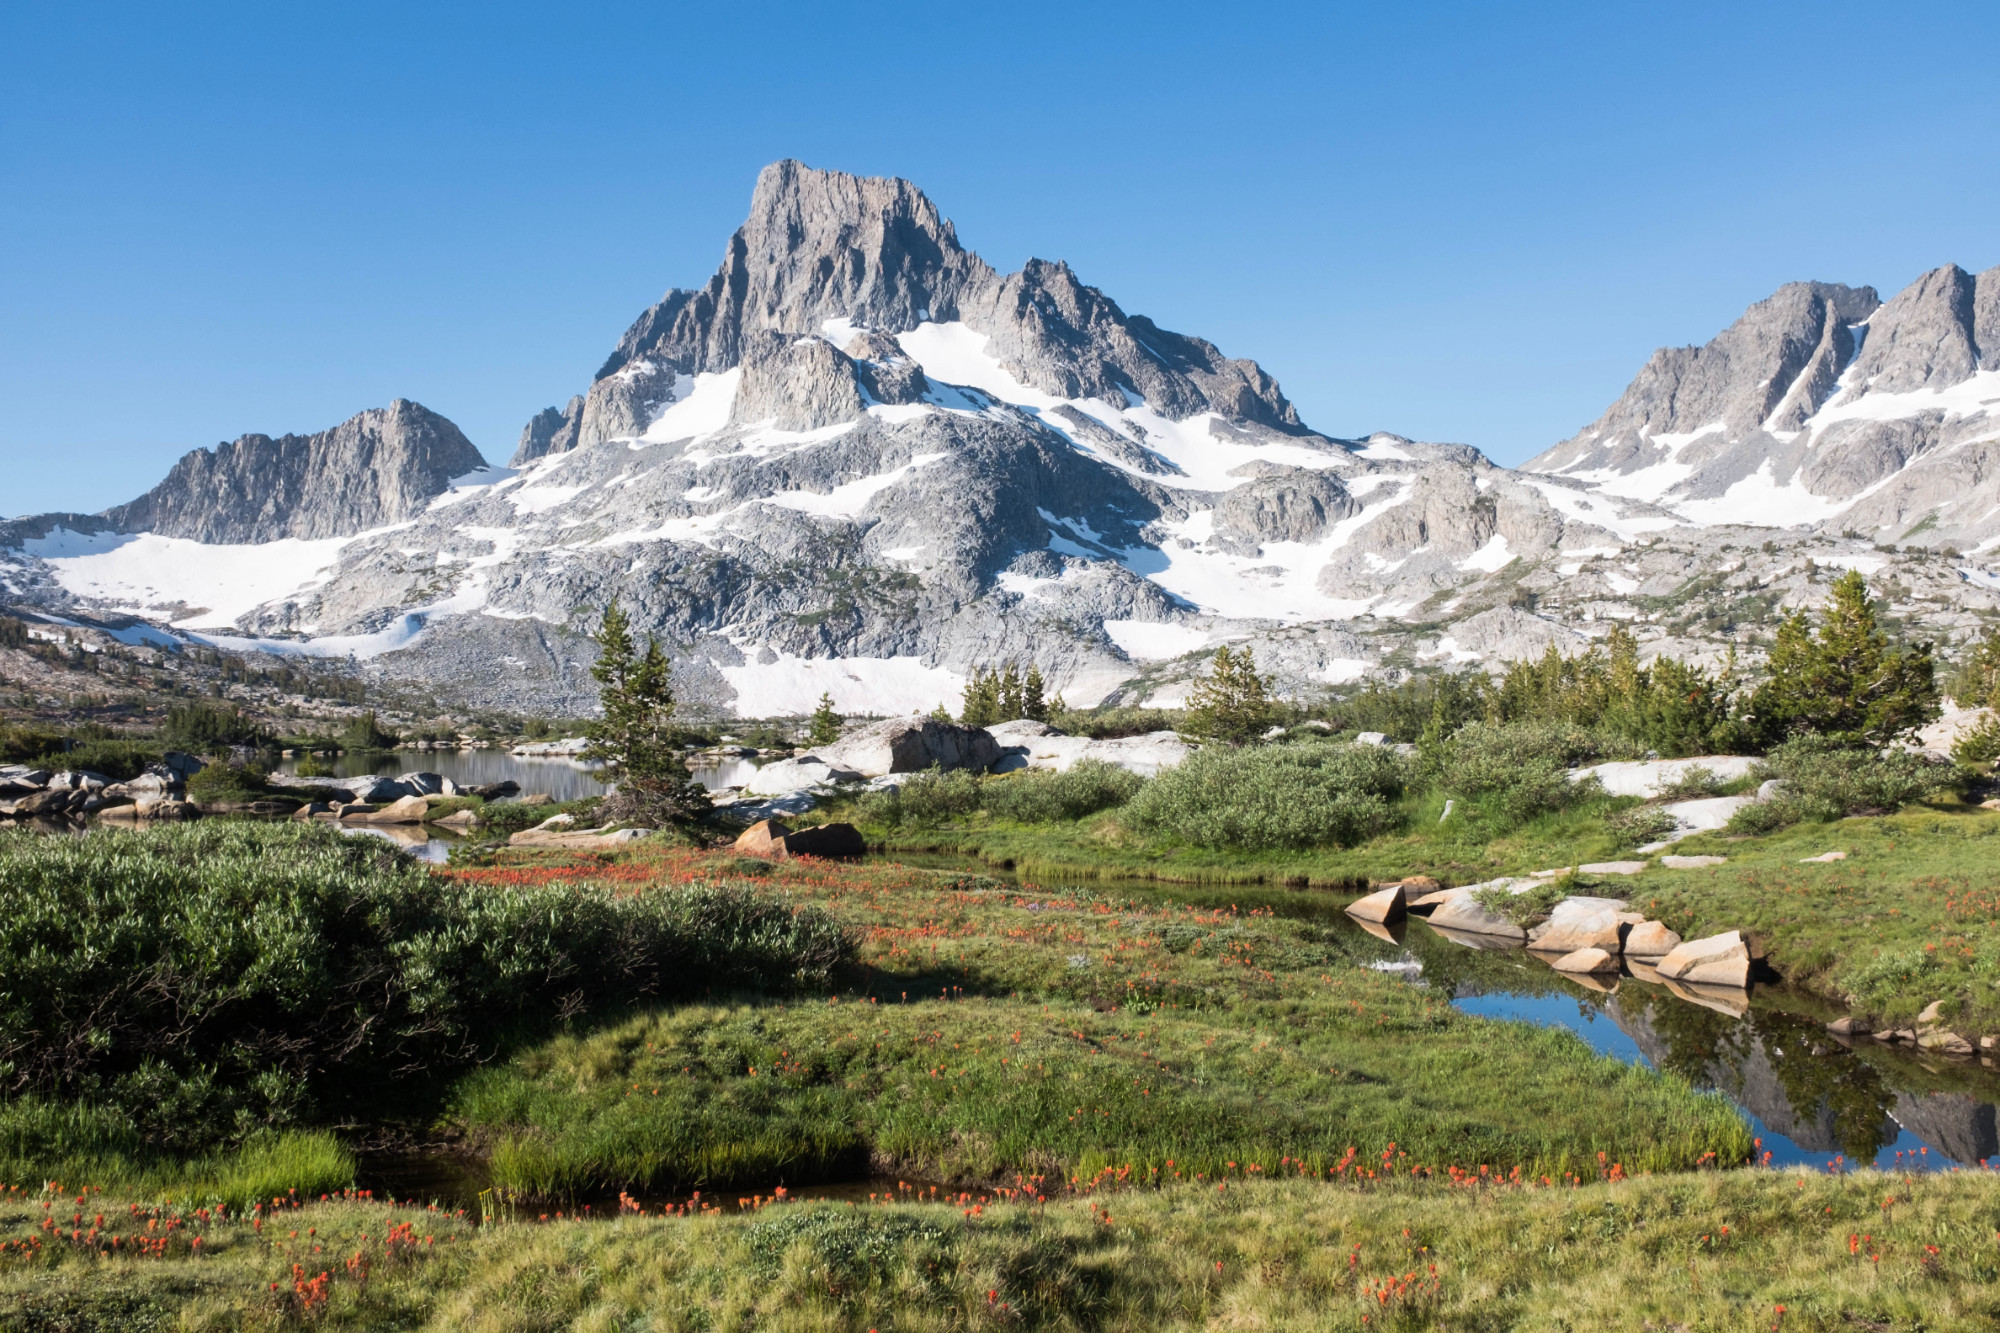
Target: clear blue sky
(1455, 221)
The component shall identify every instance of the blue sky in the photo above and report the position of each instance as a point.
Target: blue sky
(1455, 221)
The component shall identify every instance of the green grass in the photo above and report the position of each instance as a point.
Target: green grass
(997, 1031)
(1716, 1251)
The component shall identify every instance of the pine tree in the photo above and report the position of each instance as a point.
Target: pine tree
(1033, 705)
(1232, 703)
(1844, 681)
(825, 726)
(981, 699)
(635, 738)
(1009, 708)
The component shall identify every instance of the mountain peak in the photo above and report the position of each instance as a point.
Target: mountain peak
(378, 467)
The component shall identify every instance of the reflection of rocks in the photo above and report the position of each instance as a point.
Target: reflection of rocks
(1953, 1123)
(1750, 1078)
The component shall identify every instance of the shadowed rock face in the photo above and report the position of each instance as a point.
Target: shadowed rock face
(549, 431)
(1964, 1129)
(376, 468)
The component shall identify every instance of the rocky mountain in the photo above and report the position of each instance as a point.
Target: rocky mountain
(1822, 405)
(859, 459)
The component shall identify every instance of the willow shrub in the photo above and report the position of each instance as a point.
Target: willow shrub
(1517, 770)
(208, 981)
(1274, 797)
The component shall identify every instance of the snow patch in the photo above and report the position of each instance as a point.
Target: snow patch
(848, 499)
(700, 409)
(791, 686)
(1155, 641)
(1490, 558)
(143, 572)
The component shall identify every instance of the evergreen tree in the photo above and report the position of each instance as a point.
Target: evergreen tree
(1232, 703)
(1033, 705)
(1844, 680)
(981, 699)
(1009, 689)
(940, 714)
(825, 726)
(635, 739)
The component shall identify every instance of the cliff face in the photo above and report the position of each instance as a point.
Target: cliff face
(376, 468)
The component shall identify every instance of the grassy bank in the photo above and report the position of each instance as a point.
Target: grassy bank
(989, 1030)
(1740, 1250)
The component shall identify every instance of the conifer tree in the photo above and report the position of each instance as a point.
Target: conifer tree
(824, 729)
(1844, 681)
(1232, 703)
(1033, 705)
(635, 738)
(981, 699)
(1009, 689)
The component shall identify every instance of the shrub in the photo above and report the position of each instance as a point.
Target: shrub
(1111, 723)
(1530, 905)
(1640, 825)
(1285, 796)
(227, 782)
(1693, 784)
(1826, 778)
(1980, 744)
(208, 981)
(930, 798)
(1042, 797)
(1517, 769)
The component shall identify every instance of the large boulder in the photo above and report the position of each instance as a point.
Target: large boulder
(790, 775)
(827, 840)
(766, 837)
(1650, 777)
(911, 745)
(586, 840)
(374, 789)
(1464, 914)
(1718, 960)
(426, 784)
(1601, 930)
(406, 810)
(1036, 745)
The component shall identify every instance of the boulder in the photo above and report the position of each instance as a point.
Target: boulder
(1600, 931)
(493, 791)
(826, 840)
(766, 837)
(165, 809)
(538, 798)
(1384, 905)
(1462, 913)
(1650, 939)
(464, 819)
(911, 745)
(1691, 862)
(1586, 961)
(25, 776)
(790, 775)
(407, 810)
(1650, 777)
(312, 808)
(1823, 858)
(1371, 738)
(1718, 960)
(1145, 755)
(588, 840)
(48, 801)
(1845, 1027)
(423, 784)
(374, 789)
(181, 764)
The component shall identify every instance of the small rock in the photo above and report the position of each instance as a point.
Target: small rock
(1650, 939)
(1691, 862)
(1718, 960)
(1587, 960)
(1948, 1042)
(1371, 738)
(539, 798)
(1770, 789)
(311, 808)
(464, 819)
(1611, 868)
(1844, 1027)
(1389, 904)
(1929, 1016)
(1822, 858)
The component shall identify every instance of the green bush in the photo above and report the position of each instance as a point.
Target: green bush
(1640, 825)
(1826, 778)
(1039, 796)
(1517, 770)
(1270, 797)
(1110, 723)
(930, 798)
(209, 981)
(227, 782)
